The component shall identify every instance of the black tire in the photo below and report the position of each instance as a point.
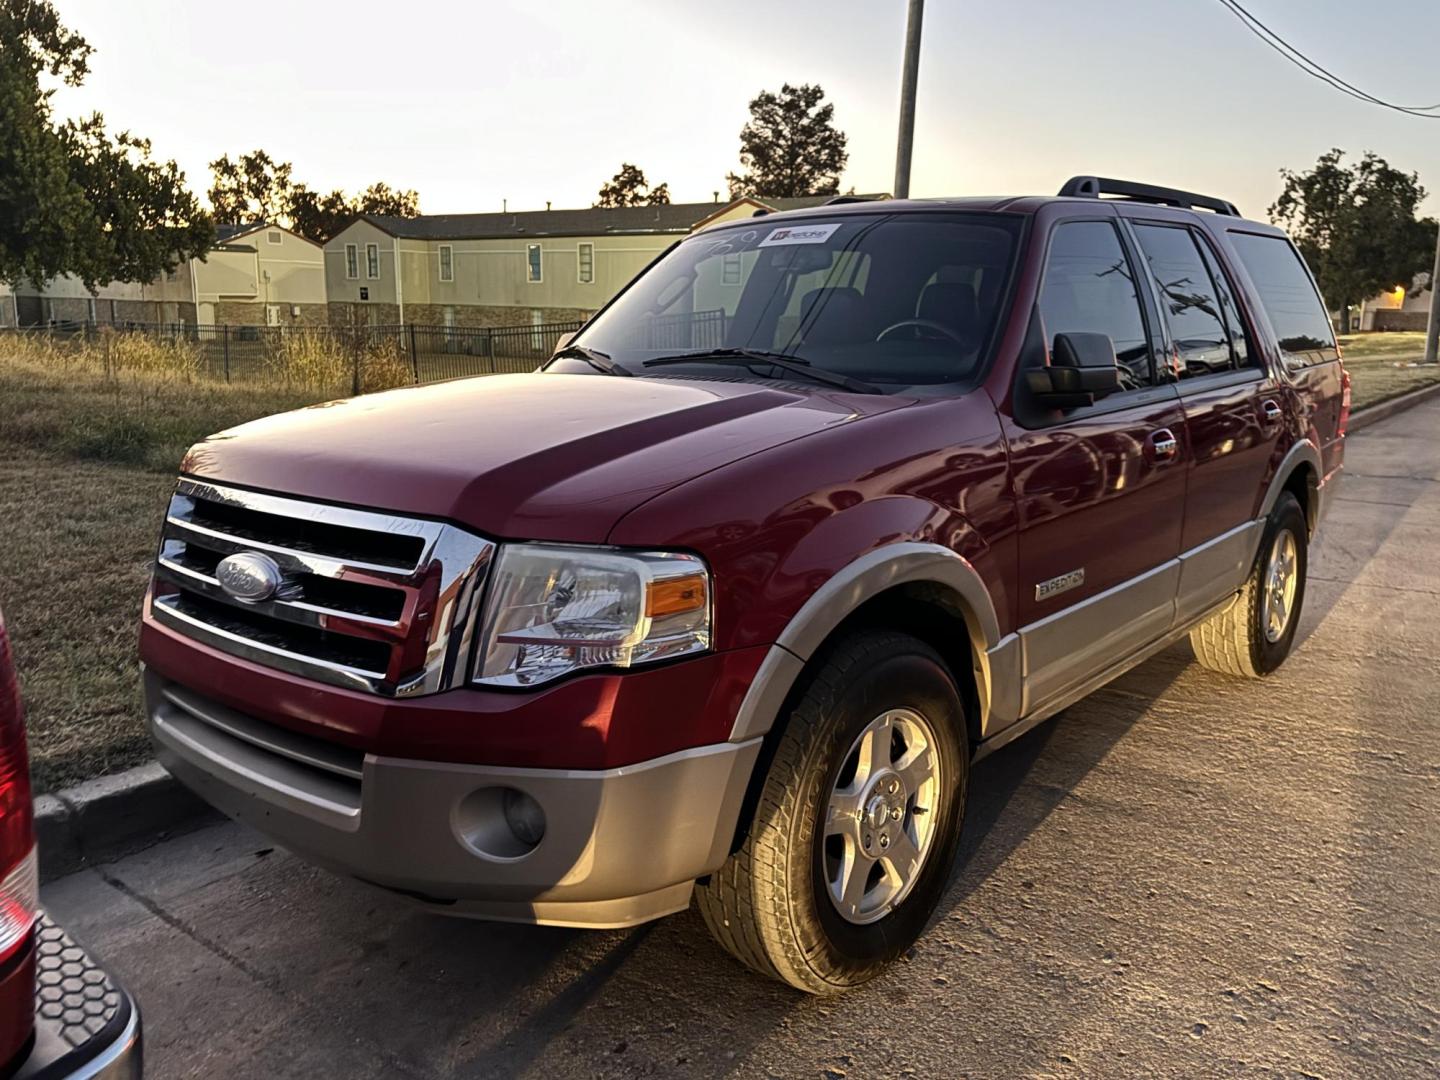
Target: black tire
(1234, 640)
(769, 905)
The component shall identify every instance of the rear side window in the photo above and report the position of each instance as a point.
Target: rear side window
(1090, 288)
(1289, 298)
(1190, 299)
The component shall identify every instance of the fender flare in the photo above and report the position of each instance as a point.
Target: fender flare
(1303, 452)
(866, 577)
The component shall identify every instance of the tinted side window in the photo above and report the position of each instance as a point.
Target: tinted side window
(1189, 298)
(1288, 296)
(1090, 288)
(1239, 339)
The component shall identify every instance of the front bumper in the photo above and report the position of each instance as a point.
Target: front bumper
(620, 846)
(86, 1025)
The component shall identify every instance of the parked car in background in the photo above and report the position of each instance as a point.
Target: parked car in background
(61, 1014)
(725, 601)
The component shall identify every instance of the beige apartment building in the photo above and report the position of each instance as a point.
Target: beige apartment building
(507, 269)
(256, 275)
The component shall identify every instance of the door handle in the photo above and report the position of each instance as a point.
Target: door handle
(1164, 445)
(1271, 411)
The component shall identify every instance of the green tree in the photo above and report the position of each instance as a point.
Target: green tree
(628, 187)
(790, 146)
(74, 200)
(254, 187)
(320, 217)
(1357, 226)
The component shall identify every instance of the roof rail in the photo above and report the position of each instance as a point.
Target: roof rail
(1092, 187)
(840, 200)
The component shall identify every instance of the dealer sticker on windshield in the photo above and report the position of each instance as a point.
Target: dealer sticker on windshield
(801, 234)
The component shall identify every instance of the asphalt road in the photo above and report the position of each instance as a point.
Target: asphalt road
(1183, 875)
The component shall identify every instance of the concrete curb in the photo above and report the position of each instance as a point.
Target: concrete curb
(114, 815)
(111, 816)
(1359, 421)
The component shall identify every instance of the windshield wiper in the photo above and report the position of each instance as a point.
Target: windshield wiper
(795, 365)
(594, 357)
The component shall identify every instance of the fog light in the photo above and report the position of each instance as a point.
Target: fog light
(524, 816)
(499, 823)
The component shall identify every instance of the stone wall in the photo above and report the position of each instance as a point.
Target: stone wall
(243, 313)
(1395, 319)
(141, 311)
(343, 313)
(482, 315)
(66, 309)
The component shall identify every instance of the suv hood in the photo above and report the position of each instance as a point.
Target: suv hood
(543, 457)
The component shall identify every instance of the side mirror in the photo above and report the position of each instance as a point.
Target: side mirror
(563, 340)
(1082, 370)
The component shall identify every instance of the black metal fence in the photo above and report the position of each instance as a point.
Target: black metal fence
(279, 353)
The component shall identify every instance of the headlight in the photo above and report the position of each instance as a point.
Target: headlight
(554, 610)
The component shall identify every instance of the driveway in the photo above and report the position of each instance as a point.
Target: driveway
(1183, 875)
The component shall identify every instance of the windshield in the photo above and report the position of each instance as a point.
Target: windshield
(899, 301)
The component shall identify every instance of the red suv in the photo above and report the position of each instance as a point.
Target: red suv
(724, 601)
(61, 1015)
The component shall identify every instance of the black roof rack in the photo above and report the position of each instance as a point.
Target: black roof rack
(1092, 187)
(840, 200)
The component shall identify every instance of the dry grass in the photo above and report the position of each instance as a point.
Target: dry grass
(78, 539)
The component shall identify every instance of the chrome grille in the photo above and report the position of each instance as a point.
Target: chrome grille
(369, 601)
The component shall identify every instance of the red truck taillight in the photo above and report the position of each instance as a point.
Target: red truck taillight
(1344, 399)
(19, 883)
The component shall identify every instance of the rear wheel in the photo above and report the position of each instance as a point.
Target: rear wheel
(1253, 635)
(857, 823)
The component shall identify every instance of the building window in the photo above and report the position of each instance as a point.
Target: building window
(352, 262)
(447, 263)
(272, 237)
(372, 260)
(532, 263)
(731, 270)
(587, 263)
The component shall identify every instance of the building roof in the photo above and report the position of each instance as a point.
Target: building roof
(677, 218)
(230, 232)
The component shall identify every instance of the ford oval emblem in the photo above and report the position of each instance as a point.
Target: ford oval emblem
(249, 577)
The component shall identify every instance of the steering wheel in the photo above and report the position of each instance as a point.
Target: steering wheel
(921, 324)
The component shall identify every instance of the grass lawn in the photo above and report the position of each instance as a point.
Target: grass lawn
(1383, 366)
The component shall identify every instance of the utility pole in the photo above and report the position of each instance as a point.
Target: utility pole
(909, 78)
(1432, 333)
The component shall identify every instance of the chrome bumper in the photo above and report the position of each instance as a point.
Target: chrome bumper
(621, 846)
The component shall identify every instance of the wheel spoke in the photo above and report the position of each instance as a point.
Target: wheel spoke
(842, 816)
(854, 876)
(903, 854)
(874, 751)
(916, 768)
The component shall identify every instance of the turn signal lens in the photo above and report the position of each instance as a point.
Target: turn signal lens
(675, 596)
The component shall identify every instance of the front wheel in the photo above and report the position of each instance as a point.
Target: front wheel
(857, 822)
(1253, 634)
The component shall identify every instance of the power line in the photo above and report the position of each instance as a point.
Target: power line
(1318, 71)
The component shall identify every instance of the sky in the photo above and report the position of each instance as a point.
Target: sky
(471, 103)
